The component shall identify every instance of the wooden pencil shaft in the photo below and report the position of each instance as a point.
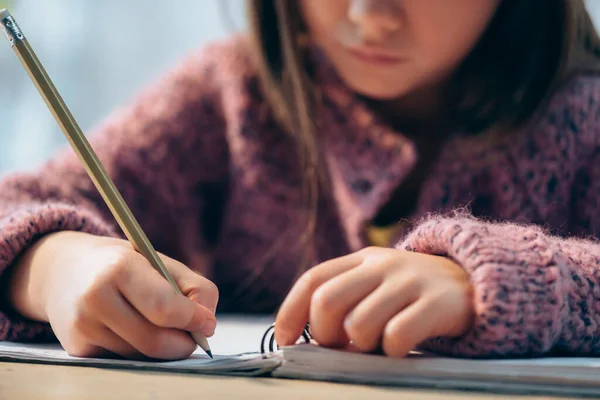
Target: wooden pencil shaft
(86, 154)
(90, 161)
(80, 145)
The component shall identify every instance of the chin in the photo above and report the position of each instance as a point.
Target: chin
(376, 89)
(377, 92)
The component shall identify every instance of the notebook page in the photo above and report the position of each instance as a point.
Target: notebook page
(567, 374)
(237, 334)
(240, 364)
(235, 348)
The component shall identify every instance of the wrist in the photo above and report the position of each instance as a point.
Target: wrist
(29, 279)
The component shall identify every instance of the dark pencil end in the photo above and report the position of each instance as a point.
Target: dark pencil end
(209, 353)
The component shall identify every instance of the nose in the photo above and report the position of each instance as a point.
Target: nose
(375, 19)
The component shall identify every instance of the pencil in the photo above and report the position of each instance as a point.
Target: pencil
(86, 154)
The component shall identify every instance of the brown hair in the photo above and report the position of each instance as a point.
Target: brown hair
(528, 50)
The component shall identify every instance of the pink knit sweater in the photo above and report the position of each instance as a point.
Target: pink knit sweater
(213, 182)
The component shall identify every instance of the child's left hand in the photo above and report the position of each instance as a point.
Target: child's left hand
(378, 297)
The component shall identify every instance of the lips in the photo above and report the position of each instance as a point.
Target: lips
(375, 56)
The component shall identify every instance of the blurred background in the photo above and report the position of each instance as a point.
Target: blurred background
(99, 54)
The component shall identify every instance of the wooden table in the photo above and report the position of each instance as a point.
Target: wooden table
(50, 382)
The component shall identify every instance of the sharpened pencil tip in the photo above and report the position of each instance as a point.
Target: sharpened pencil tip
(209, 353)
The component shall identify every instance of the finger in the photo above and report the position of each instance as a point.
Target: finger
(294, 312)
(152, 295)
(365, 324)
(108, 341)
(152, 341)
(407, 329)
(83, 350)
(193, 285)
(99, 340)
(334, 299)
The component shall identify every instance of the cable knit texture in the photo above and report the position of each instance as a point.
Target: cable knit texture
(214, 183)
(509, 265)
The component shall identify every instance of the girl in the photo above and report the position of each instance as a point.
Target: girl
(436, 163)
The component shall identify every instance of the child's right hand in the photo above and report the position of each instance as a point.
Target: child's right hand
(100, 295)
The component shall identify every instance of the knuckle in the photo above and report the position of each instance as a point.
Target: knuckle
(81, 321)
(438, 299)
(412, 279)
(211, 290)
(163, 311)
(92, 299)
(376, 257)
(119, 270)
(309, 280)
(369, 250)
(324, 301)
(352, 328)
(123, 264)
(354, 325)
(361, 337)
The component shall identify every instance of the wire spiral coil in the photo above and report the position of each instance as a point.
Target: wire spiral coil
(269, 337)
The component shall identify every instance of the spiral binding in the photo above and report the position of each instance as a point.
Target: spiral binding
(271, 339)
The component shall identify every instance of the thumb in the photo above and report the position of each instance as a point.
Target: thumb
(193, 285)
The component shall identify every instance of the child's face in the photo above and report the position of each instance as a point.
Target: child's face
(386, 49)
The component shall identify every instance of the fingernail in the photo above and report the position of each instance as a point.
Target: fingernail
(208, 327)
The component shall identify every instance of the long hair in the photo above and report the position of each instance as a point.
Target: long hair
(529, 49)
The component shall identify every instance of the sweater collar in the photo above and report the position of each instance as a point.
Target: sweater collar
(366, 157)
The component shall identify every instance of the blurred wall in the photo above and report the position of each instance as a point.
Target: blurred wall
(99, 53)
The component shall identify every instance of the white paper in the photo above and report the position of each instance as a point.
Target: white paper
(235, 347)
(239, 334)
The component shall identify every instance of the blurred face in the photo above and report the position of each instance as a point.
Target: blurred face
(387, 49)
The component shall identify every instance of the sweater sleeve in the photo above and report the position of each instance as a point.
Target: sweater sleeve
(533, 293)
(162, 151)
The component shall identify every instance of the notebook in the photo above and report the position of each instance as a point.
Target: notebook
(235, 349)
(237, 352)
